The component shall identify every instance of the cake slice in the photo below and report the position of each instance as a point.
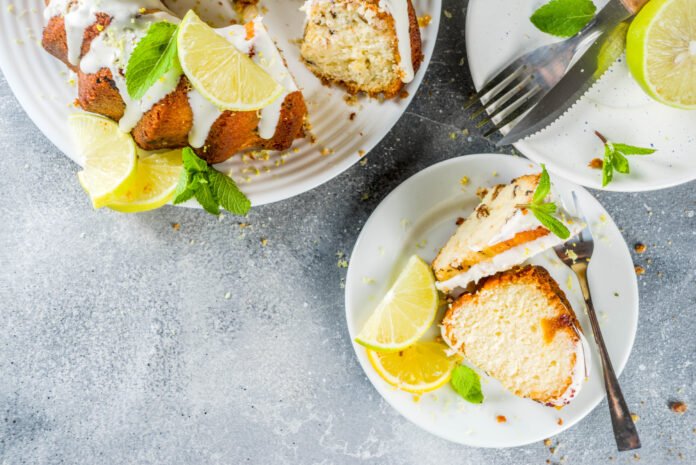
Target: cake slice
(519, 328)
(499, 234)
(371, 46)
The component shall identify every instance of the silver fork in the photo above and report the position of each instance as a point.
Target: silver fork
(576, 253)
(523, 83)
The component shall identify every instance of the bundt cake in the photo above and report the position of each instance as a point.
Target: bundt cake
(498, 234)
(371, 46)
(519, 327)
(95, 38)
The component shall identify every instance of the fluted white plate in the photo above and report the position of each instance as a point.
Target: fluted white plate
(41, 84)
(417, 218)
(498, 31)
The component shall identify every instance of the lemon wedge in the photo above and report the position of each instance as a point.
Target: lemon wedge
(153, 185)
(109, 157)
(405, 313)
(423, 367)
(221, 73)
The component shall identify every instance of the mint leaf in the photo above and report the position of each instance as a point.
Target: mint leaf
(564, 18)
(207, 200)
(193, 162)
(228, 194)
(467, 383)
(615, 157)
(620, 163)
(153, 56)
(548, 208)
(544, 186)
(633, 150)
(551, 223)
(183, 192)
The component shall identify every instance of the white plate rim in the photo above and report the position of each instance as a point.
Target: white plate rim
(526, 148)
(352, 281)
(20, 90)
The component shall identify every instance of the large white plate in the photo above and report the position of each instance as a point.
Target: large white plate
(41, 85)
(417, 218)
(499, 30)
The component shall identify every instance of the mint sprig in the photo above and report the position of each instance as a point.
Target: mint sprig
(563, 18)
(154, 55)
(211, 188)
(544, 211)
(467, 383)
(615, 157)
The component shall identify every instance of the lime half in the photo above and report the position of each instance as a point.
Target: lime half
(661, 51)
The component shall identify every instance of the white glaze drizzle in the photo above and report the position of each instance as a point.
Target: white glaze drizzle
(399, 11)
(112, 48)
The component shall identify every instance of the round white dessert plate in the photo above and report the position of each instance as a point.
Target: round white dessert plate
(46, 91)
(417, 218)
(497, 31)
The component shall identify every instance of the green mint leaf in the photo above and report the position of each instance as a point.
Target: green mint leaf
(633, 150)
(183, 189)
(193, 162)
(207, 200)
(228, 194)
(548, 208)
(620, 162)
(607, 165)
(544, 186)
(467, 383)
(564, 18)
(552, 224)
(153, 56)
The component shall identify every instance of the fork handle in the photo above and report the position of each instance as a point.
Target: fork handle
(625, 431)
(634, 6)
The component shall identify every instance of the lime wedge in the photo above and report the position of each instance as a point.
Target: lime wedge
(661, 51)
(109, 157)
(423, 367)
(153, 185)
(220, 72)
(405, 313)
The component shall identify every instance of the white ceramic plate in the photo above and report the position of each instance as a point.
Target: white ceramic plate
(417, 218)
(497, 31)
(40, 83)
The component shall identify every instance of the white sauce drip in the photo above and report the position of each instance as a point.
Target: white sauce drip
(204, 116)
(399, 11)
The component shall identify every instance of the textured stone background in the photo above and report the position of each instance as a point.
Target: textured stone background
(118, 344)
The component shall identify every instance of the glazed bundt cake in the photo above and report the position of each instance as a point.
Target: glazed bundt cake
(95, 38)
(371, 46)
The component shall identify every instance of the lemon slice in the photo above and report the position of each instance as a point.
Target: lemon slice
(153, 185)
(220, 72)
(423, 367)
(109, 157)
(661, 51)
(405, 313)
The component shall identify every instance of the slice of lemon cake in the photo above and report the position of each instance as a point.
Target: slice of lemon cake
(519, 328)
(371, 46)
(499, 234)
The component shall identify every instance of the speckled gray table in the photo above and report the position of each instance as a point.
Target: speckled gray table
(125, 341)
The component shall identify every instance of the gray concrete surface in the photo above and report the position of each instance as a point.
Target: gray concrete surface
(118, 344)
